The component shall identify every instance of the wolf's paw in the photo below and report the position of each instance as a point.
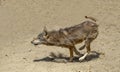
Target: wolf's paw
(81, 59)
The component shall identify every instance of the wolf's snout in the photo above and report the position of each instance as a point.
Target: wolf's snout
(35, 41)
(32, 42)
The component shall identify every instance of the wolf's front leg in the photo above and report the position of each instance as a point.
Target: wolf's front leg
(87, 45)
(76, 51)
(71, 54)
(83, 57)
(81, 48)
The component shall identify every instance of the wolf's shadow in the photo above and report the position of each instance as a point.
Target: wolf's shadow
(60, 58)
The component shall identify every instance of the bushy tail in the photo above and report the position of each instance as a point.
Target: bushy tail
(93, 19)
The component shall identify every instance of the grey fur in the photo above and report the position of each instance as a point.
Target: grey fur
(67, 37)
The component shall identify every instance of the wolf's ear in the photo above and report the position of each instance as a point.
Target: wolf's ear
(45, 31)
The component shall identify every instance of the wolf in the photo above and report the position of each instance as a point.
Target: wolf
(70, 36)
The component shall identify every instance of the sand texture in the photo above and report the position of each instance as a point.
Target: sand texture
(21, 20)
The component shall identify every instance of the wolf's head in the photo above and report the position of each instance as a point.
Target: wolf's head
(41, 38)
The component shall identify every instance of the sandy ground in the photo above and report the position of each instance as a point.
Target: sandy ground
(21, 20)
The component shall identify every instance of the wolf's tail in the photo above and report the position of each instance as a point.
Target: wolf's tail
(93, 19)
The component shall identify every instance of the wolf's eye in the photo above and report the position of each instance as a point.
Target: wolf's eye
(46, 36)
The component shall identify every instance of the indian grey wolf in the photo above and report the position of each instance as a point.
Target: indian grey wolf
(70, 36)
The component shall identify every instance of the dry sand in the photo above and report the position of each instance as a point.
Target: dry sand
(21, 20)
